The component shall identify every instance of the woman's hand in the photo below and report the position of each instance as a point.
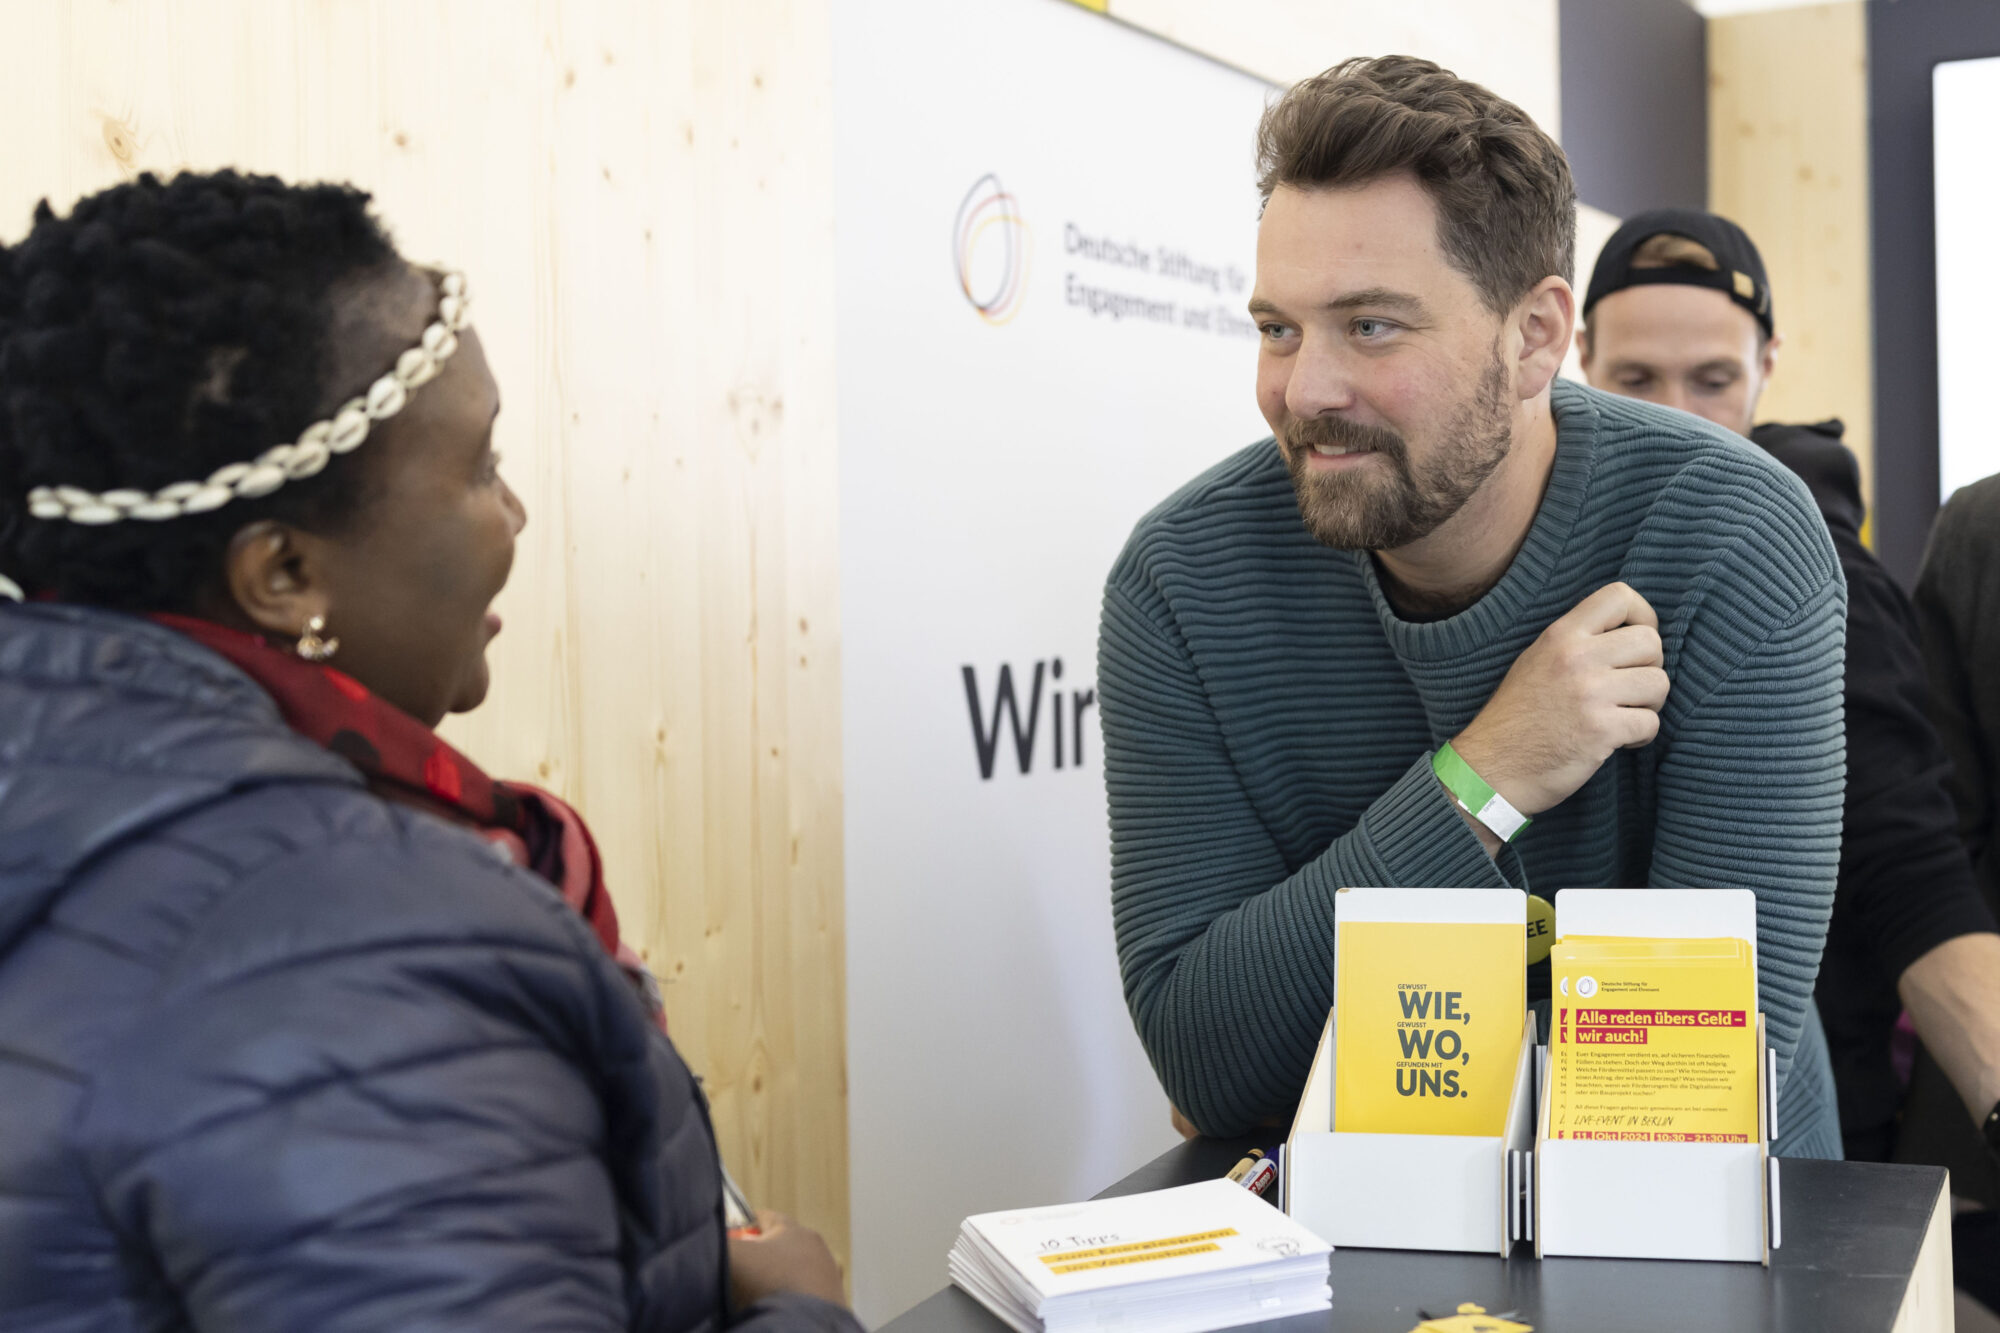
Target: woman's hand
(786, 1257)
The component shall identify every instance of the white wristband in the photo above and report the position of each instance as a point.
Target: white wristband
(1499, 816)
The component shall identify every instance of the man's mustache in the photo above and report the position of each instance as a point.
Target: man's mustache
(1302, 434)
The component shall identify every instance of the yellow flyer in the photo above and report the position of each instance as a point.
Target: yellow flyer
(1427, 1026)
(1653, 1040)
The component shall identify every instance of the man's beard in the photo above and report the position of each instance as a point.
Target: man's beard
(1358, 511)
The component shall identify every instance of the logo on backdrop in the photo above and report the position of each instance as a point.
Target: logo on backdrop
(1024, 717)
(991, 245)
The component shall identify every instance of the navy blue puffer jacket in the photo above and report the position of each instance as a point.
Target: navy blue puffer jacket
(276, 1054)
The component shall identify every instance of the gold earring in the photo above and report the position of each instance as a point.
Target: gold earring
(312, 645)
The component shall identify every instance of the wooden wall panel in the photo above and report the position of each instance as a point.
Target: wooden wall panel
(641, 195)
(1788, 159)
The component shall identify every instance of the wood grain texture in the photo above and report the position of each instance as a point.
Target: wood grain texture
(1788, 160)
(641, 194)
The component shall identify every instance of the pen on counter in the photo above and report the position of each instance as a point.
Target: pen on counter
(738, 1217)
(1246, 1166)
(1261, 1177)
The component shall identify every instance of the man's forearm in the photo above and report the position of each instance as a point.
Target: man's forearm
(1953, 996)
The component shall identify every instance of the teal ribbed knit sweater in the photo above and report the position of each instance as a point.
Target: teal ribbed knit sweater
(1269, 722)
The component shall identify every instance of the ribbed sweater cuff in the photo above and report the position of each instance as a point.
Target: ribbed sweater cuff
(1420, 841)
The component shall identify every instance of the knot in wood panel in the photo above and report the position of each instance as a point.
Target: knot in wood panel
(121, 140)
(758, 415)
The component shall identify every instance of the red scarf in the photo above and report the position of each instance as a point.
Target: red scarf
(406, 762)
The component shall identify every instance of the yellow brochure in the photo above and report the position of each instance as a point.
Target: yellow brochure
(1427, 1026)
(1653, 1040)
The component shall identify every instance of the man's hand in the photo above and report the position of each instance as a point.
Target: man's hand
(786, 1257)
(1590, 685)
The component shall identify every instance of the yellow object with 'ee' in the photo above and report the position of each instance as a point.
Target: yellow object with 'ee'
(1427, 1026)
(1541, 928)
(1653, 1040)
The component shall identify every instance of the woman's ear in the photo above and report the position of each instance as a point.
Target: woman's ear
(271, 571)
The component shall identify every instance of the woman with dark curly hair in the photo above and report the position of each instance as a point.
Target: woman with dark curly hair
(305, 1022)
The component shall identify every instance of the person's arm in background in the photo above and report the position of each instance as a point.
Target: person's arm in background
(1906, 882)
(1952, 991)
(1949, 596)
(1953, 995)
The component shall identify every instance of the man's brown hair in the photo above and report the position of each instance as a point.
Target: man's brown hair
(1505, 202)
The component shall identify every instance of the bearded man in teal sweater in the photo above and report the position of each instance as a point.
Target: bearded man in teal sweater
(1447, 566)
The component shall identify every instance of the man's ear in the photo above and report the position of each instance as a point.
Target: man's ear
(271, 571)
(1583, 345)
(1544, 321)
(1767, 361)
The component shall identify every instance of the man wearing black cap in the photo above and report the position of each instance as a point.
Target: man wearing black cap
(1678, 312)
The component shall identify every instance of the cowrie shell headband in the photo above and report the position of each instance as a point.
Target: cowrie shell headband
(306, 457)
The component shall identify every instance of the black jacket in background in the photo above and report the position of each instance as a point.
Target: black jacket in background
(278, 1055)
(1958, 608)
(1906, 885)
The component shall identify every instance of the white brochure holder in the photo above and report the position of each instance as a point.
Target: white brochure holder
(1660, 1200)
(1414, 1191)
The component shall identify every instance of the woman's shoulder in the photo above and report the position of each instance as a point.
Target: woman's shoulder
(380, 1034)
(329, 938)
(291, 871)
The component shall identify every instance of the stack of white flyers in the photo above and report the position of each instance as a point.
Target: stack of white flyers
(1183, 1260)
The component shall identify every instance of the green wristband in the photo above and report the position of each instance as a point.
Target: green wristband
(1479, 800)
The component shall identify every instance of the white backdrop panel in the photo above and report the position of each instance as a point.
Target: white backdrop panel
(1092, 189)
(1965, 105)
